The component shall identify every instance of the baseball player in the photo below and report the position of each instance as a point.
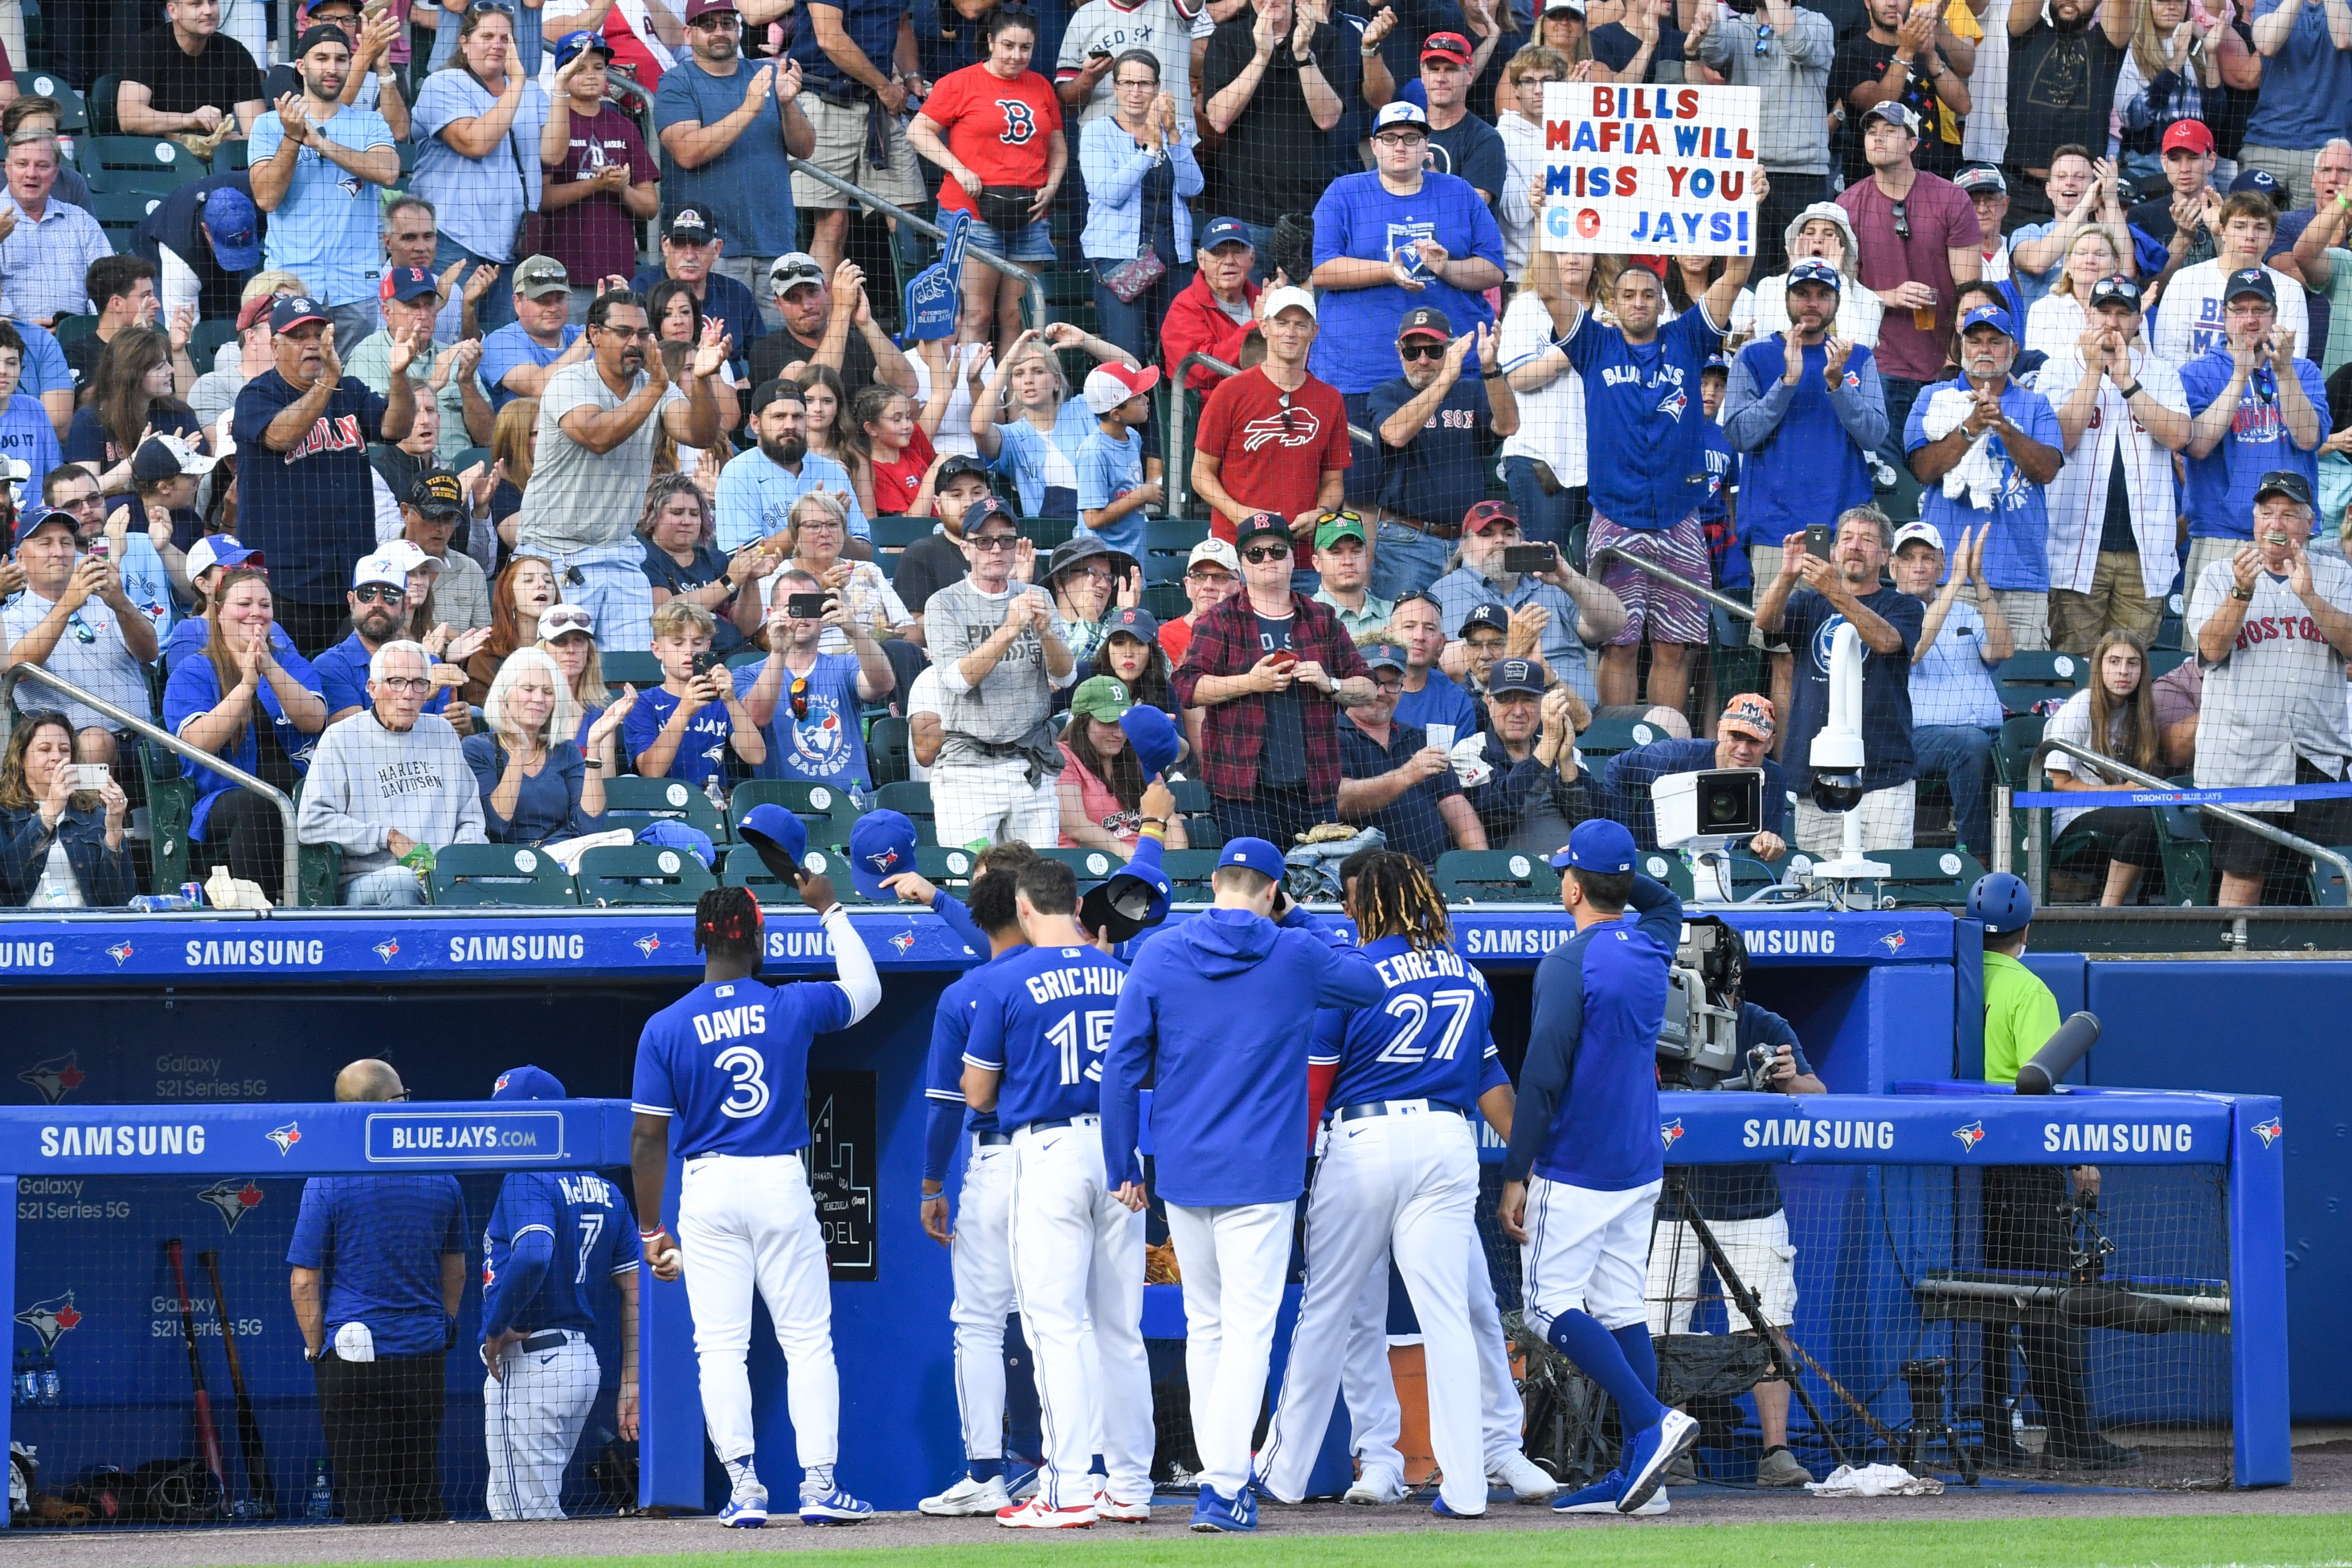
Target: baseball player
(722, 1076)
(551, 1234)
(1587, 1130)
(1222, 1010)
(1034, 1057)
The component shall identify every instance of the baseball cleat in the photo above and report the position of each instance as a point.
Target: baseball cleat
(1438, 1508)
(1217, 1514)
(1036, 1514)
(836, 1507)
(747, 1509)
(967, 1497)
(1022, 1479)
(1601, 1497)
(1110, 1507)
(1375, 1488)
(1649, 1455)
(1527, 1482)
(1779, 1469)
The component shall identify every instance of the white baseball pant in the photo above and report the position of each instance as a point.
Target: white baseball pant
(532, 1417)
(1234, 1260)
(746, 1223)
(981, 1263)
(1407, 1181)
(1587, 1248)
(1077, 1253)
(984, 803)
(1756, 1249)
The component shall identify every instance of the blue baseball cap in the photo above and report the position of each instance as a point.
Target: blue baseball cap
(1991, 316)
(1224, 231)
(1136, 897)
(1257, 854)
(2003, 902)
(294, 310)
(778, 838)
(1598, 844)
(233, 226)
(32, 520)
(528, 1083)
(1155, 738)
(882, 845)
(1813, 269)
(671, 834)
(1518, 676)
(574, 43)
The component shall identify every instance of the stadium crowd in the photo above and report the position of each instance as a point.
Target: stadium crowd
(487, 363)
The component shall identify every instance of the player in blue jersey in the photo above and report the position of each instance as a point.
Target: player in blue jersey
(1039, 1028)
(553, 1235)
(1587, 1129)
(1220, 1009)
(723, 1076)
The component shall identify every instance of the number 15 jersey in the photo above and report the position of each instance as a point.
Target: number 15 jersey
(728, 1062)
(1043, 1020)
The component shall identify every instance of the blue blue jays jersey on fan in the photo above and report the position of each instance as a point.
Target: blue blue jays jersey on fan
(1431, 1038)
(950, 1028)
(1642, 415)
(1044, 1021)
(553, 1235)
(728, 1062)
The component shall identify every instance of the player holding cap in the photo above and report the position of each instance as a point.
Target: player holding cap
(552, 1233)
(1221, 1009)
(1588, 1128)
(1039, 1027)
(725, 1068)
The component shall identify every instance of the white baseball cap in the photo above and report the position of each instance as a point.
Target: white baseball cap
(1288, 296)
(1921, 532)
(562, 619)
(383, 569)
(1216, 550)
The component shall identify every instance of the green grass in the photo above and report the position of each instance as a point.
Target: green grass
(2289, 1540)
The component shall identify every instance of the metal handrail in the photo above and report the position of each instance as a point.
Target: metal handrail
(2036, 858)
(1031, 283)
(1664, 574)
(1175, 472)
(146, 729)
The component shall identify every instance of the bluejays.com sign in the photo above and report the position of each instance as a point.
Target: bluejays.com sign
(441, 1137)
(1651, 171)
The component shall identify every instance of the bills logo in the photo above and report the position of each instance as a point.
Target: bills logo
(1893, 941)
(646, 944)
(904, 941)
(1970, 1135)
(232, 1200)
(1295, 427)
(1670, 1133)
(286, 1136)
(119, 952)
(387, 948)
(2269, 1132)
(56, 1078)
(50, 1321)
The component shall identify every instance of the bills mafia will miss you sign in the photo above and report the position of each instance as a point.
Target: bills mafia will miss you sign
(1654, 169)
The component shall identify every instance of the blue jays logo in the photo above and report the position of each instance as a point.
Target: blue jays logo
(1670, 1133)
(232, 1200)
(386, 948)
(1893, 941)
(350, 185)
(903, 941)
(51, 1319)
(646, 943)
(1970, 1135)
(2269, 1132)
(499, 1087)
(56, 1078)
(119, 952)
(880, 861)
(286, 1136)
(1673, 404)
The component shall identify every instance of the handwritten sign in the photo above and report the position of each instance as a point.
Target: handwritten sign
(1650, 170)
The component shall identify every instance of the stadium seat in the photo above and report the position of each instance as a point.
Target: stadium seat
(471, 455)
(171, 803)
(912, 799)
(2037, 676)
(209, 338)
(147, 165)
(631, 802)
(889, 750)
(742, 867)
(121, 212)
(1203, 831)
(1494, 876)
(72, 329)
(1191, 795)
(2162, 661)
(825, 810)
(1166, 600)
(73, 111)
(896, 533)
(1660, 866)
(640, 670)
(2019, 737)
(467, 874)
(1608, 737)
(1188, 872)
(233, 157)
(1092, 865)
(1047, 532)
(99, 106)
(1940, 877)
(641, 873)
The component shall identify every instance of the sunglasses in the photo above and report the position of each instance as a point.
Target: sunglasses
(1421, 350)
(994, 542)
(378, 593)
(800, 696)
(1261, 553)
(1763, 37)
(1902, 215)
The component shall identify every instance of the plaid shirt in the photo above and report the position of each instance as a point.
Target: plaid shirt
(1233, 734)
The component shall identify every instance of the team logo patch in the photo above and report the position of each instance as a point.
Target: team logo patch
(56, 1078)
(51, 1319)
(1670, 1133)
(232, 1200)
(286, 1136)
(2269, 1132)
(119, 952)
(387, 949)
(500, 1086)
(646, 943)
(1970, 1135)
(1673, 404)
(904, 941)
(880, 861)
(1893, 941)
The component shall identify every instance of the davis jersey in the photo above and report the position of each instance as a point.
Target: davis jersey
(1043, 1020)
(950, 1028)
(728, 1062)
(552, 1236)
(1431, 1038)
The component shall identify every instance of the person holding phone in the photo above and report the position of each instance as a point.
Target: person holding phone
(61, 823)
(1532, 580)
(684, 727)
(811, 696)
(74, 618)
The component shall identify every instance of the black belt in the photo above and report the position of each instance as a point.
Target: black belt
(547, 1339)
(1050, 1125)
(992, 1140)
(1380, 1108)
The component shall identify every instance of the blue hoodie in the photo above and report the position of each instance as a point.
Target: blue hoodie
(1220, 1013)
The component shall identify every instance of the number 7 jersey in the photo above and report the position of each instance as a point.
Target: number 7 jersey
(1043, 1020)
(1430, 1037)
(728, 1064)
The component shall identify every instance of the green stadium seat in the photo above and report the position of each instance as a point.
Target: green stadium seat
(148, 165)
(1091, 865)
(1608, 737)
(1047, 532)
(2019, 737)
(898, 532)
(233, 157)
(171, 804)
(1187, 872)
(1660, 866)
(2038, 676)
(472, 875)
(2162, 661)
(72, 329)
(1191, 795)
(742, 867)
(73, 110)
(639, 669)
(889, 750)
(1940, 877)
(1166, 600)
(1494, 876)
(948, 868)
(100, 106)
(641, 873)
(320, 868)
(913, 800)
(119, 212)
(825, 810)
(209, 338)
(631, 802)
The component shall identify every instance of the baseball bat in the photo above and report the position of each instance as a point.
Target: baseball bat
(249, 1424)
(206, 1434)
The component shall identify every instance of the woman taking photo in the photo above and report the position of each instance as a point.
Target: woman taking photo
(519, 596)
(682, 562)
(996, 129)
(1139, 173)
(211, 702)
(537, 783)
(815, 529)
(60, 848)
(2115, 717)
(2055, 325)
(131, 398)
(1101, 786)
(1038, 446)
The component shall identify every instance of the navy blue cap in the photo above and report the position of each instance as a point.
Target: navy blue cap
(528, 1083)
(881, 846)
(2002, 901)
(1813, 269)
(30, 521)
(1516, 675)
(1224, 231)
(1256, 854)
(1384, 655)
(2261, 180)
(1490, 615)
(1991, 316)
(407, 283)
(2116, 291)
(2250, 280)
(293, 311)
(1598, 844)
(1135, 621)
(778, 838)
(1155, 738)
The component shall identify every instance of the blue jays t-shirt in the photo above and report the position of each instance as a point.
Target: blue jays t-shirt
(825, 745)
(1044, 1022)
(379, 1241)
(2017, 554)
(1354, 344)
(701, 751)
(728, 1064)
(2221, 499)
(551, 1234)
(1812, 628)
(1108, 469)
(1648, 467)
(327, 230)
(950, 1028)
(1431, 1039)
(26, 435)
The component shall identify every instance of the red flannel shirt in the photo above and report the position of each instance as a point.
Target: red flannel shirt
(1233, 734)
(1197, 324)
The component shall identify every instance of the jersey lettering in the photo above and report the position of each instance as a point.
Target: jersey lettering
(1020, 122)
(1064, 1037)
(748, 1096)
(591, 1226)
(730, 1023)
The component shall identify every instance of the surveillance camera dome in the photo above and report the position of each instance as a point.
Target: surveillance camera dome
(1837, 791)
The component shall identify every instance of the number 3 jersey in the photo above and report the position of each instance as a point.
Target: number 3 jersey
(1043, 1018)
(728, 1062)
(552, 1236)
(1430, 1037)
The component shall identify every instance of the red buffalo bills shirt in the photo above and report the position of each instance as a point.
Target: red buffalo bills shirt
(1002, 129)
(311, 509)
(1273, 447)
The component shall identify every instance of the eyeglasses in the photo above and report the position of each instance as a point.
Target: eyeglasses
(994, 542)
(1902, 215)
(629, 332)
(1262, 553)
(1210, 574)
(1420, 351)
(1481, 645)
(1527, 82)
(85, 504)
(1399, 138)
(1388, 683)
(378, 593)
(411, 684)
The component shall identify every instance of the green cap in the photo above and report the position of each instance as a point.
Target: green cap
(1337, 526)
(1102, 697)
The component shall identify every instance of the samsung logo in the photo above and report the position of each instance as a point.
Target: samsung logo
(516, 949)
(1800, 1133)
(812, 944)
(27, 955)
(145, 1139)
(2116, 1137)
(257, 954)
(1525, 941)
(1791, 940)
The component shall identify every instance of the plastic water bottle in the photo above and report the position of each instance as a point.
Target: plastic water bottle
(321, 1506)
(52, 1390)
(715, 795)
(16, 1396)
(162, 903)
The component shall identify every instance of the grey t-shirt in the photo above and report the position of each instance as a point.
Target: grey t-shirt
(2280, 695)
(578, 500)
(1012, 703)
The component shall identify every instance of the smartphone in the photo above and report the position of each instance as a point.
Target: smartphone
(1817, 541)
(807, 606)
(100, 549)
(87, 776)
(1520, 560)
(1100, 52)
(705, 661)
(1284, 659)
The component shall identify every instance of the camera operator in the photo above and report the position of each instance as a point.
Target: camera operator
(1742, 1204)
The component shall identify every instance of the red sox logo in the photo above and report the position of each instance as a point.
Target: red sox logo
(1970, 1135)
(2269, 1132)
(1020, 122)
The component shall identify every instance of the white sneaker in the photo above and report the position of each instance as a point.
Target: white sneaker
(1527, 1482)
(1109, 1507)
(1034, 1515)
(1376, 1488)
(966, 1498)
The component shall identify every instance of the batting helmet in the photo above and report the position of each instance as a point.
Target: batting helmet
(2002, 901)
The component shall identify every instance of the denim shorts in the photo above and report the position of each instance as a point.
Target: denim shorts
(1035, 242)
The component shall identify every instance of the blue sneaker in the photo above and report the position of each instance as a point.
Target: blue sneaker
(1649, 1454)
(746, 1509)
(1601, 1497)
(1440, 1511)
(836, 1507)
(1217, 1514)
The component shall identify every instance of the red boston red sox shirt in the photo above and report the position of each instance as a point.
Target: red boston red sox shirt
(1002, 129)
(1273, 447)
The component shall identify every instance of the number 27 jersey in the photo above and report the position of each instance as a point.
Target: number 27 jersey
(1431, 1038)
(728, 1062)
(1043, 1020)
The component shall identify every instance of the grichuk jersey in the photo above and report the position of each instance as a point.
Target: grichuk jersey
(1043, 1020)
(1431, 1038)
(728, 1062)
(1647, 469)
(527, 1285)
(2280, 695)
